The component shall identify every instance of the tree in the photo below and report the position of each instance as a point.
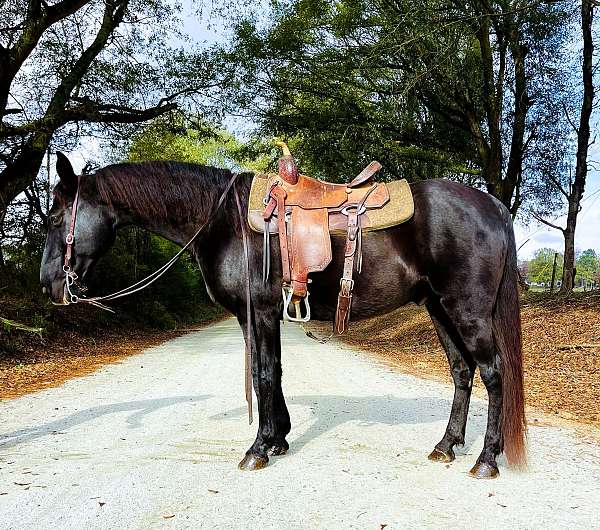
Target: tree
(66, 64)
(523, 266)
(431, 88)
(574, 188)
(540, 266)
(588, 266)
(184, 139)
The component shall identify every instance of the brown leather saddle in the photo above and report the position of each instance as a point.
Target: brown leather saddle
(303, 211)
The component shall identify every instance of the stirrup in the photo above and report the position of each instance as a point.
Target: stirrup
(287, 293)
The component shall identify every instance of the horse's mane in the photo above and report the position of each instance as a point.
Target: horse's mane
(161, 189)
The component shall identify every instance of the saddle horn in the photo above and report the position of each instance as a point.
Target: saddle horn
(288, 170)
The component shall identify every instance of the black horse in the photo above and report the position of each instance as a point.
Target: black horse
(456, 255)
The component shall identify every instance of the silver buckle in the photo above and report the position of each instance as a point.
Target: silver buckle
(362, 210)
(346, 285)
(287, 292)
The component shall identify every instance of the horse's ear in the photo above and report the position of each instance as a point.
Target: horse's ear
(65, 173)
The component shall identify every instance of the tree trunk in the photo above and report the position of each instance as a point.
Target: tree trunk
(512, 181)
(568, 276)
(21, 172)
(3, 271)
(583, 141)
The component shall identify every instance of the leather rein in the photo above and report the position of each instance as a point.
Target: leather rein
(72, 278)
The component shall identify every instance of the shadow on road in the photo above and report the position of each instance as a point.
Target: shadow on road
(139, 410)
(331, 411)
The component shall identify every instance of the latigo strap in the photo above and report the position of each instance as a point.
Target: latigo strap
(352, 252)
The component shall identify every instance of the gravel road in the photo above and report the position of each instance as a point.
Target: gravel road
(154, 442)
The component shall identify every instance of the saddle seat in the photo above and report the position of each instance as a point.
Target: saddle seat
(304, 211)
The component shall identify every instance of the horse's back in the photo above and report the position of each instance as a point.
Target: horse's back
(455, 242)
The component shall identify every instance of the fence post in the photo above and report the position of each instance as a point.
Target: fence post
(553, 272)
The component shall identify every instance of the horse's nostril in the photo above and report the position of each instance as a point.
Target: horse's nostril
(44, 290)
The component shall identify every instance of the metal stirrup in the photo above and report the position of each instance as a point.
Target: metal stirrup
(287, 293)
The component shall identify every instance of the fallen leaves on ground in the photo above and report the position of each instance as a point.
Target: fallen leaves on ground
(38, 368)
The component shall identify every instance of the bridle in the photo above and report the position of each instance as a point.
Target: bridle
(71, 277)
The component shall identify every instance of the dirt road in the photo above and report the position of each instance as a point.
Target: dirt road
(154, 442)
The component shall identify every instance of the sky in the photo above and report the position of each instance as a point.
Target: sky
(208, 28)
(587, 234)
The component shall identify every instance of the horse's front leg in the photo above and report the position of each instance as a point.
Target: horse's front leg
(273, 416)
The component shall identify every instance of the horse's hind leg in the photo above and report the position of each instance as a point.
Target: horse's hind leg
(462, 368)
(489, 370)
(477, 337)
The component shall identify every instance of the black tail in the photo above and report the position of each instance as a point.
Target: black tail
(507, 334)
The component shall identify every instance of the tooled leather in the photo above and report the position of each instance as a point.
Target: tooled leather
(280, 196)
(316, 209)
(378, 198)
(311, 246)
(337, 222)
(288, 170)
(366, 174)
(310, 193)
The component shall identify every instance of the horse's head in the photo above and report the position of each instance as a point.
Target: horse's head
(94, 233)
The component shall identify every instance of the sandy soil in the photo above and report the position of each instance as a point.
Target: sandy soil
(153, 442)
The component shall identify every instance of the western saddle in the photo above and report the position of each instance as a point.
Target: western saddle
(303, 211)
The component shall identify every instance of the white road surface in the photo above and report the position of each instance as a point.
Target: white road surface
(154, 442)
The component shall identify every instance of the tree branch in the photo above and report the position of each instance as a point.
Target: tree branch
(37, 21)
(113, 16)
(558, 186)
(547, 223)
(34, 202)
(571, 123)
(99, 113)
(17, 325)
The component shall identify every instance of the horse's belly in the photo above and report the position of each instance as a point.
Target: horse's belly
(387, 279)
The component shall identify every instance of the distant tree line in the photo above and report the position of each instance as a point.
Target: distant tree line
(538, 270)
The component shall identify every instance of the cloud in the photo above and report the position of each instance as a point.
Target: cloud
(548, 238)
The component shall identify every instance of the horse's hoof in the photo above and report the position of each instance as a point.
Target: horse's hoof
(253, 462)
(278, 450)
(437, 455)
(484, 470)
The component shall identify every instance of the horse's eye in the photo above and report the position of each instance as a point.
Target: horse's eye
(55, 220)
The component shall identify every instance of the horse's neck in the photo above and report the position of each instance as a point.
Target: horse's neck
(172, 227)
(166, 228)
